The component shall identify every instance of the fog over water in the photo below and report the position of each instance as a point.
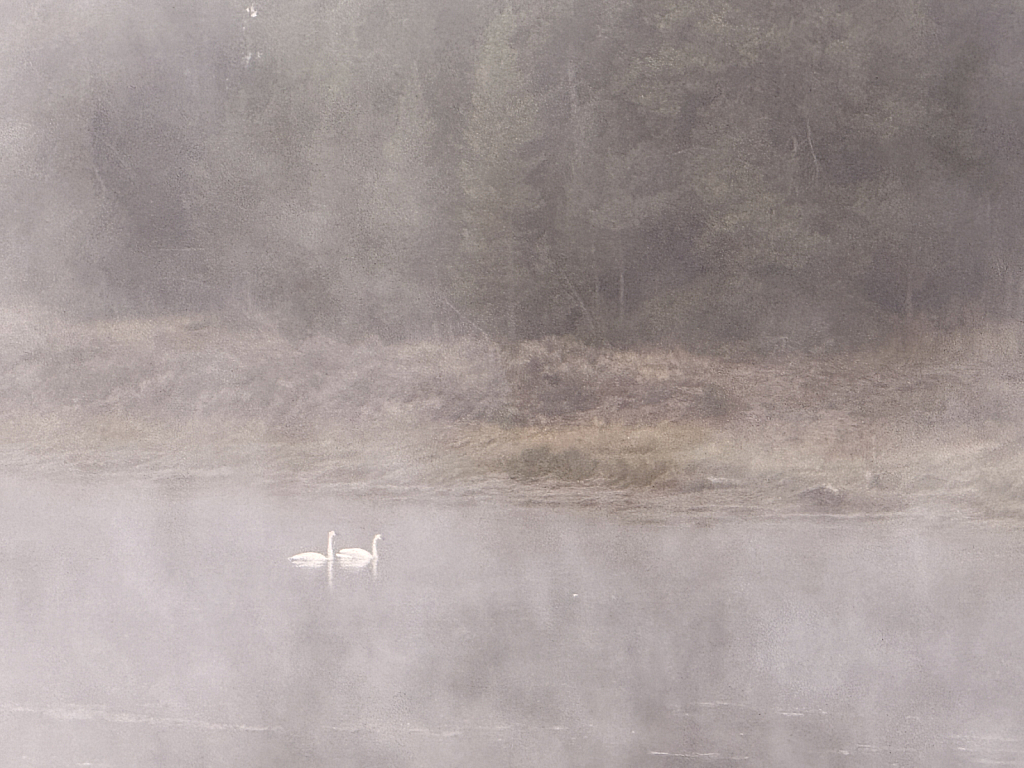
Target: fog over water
(721, 251)
(162, 624)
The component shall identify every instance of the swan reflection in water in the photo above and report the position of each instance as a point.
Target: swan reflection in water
(351, 559)
(315, 558)
(354, 571)
(358, 558)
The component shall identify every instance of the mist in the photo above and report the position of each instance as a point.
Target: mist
(498, 633)
(626, 174)
(673, 350)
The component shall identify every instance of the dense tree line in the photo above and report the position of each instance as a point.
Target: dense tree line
(617, 169)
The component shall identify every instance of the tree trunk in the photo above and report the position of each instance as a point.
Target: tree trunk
(622, 287)
(511, 297)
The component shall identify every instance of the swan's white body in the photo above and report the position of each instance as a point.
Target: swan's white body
(357, 558)
(315, 558)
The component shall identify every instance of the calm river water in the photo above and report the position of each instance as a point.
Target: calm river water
(161, 624)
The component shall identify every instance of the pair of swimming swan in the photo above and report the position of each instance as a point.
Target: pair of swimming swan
(352, 557)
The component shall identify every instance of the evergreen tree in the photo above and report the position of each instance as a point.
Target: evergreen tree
(502, 242)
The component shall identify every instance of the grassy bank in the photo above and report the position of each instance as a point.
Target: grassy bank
(188, 396)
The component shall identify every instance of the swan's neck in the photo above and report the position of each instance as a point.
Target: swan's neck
(330, 546)
(373, 548)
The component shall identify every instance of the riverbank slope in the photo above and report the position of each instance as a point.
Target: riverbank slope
(191, 396)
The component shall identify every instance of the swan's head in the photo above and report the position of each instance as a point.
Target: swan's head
(377, 538)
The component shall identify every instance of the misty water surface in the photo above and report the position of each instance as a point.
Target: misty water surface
(161, 624)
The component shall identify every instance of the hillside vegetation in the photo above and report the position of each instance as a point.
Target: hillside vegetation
(629, 173)
(187, 397)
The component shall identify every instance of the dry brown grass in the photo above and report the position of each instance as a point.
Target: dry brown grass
(612, 454)
(189, 395)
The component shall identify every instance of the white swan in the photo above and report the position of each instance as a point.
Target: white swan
(315, 558)
(358, 558)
